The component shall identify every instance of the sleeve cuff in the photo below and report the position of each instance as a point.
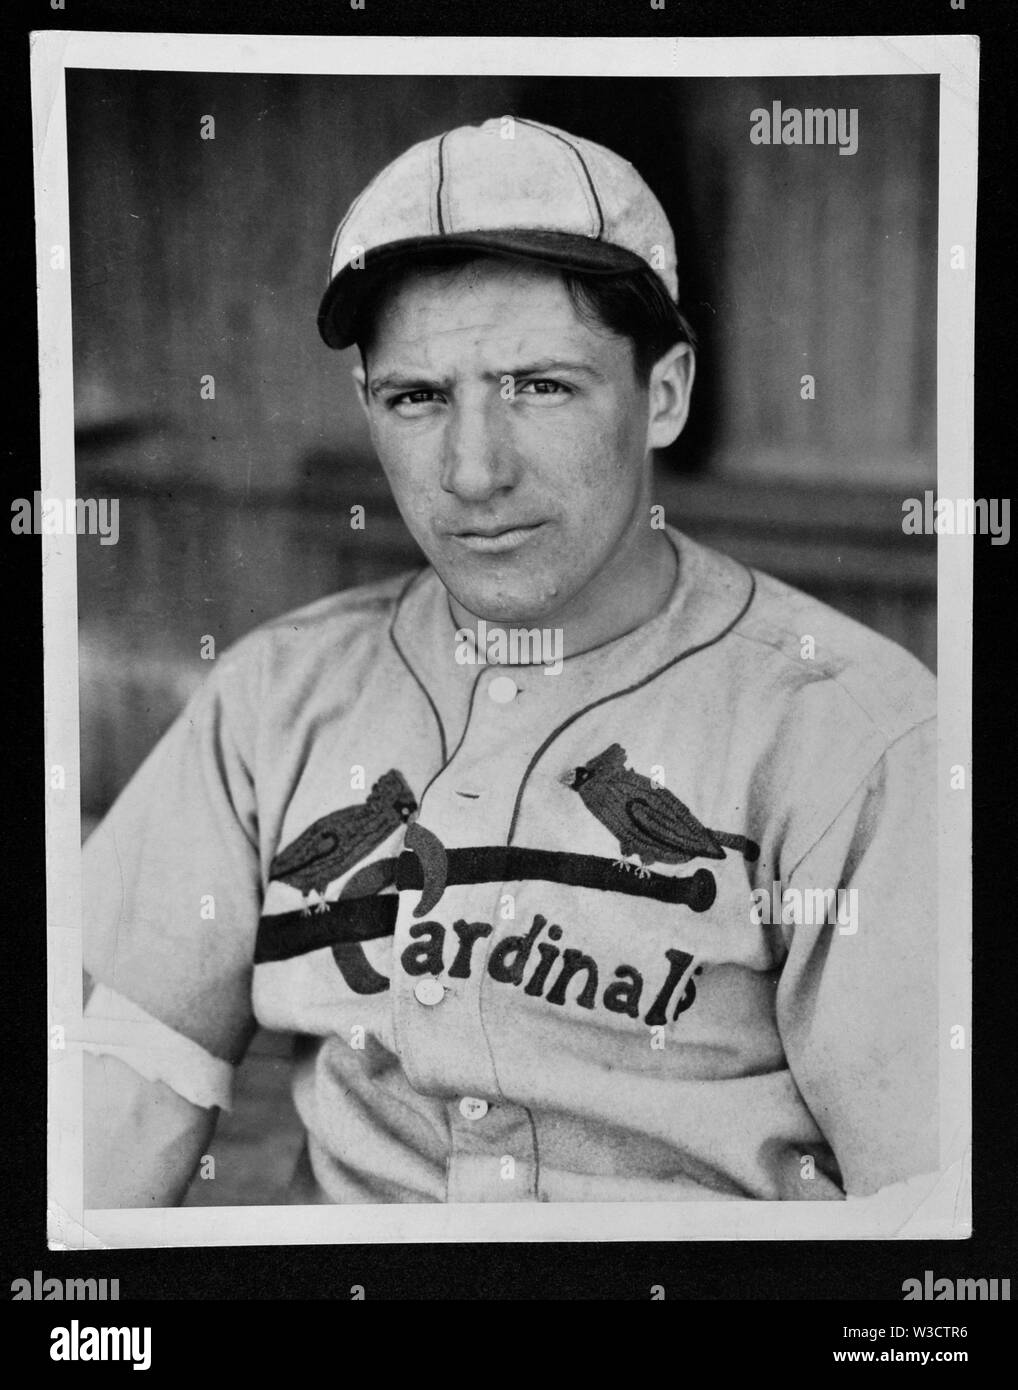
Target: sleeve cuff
(113, 1026)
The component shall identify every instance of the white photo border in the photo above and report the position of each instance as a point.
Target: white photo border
(937, 1207)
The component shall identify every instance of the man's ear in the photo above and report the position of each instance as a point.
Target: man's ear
(360, 382)
(669, 392)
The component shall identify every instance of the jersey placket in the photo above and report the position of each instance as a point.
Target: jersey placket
(439, 1023)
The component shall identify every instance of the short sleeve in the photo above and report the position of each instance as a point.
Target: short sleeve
(171, 882)
(857, 1002)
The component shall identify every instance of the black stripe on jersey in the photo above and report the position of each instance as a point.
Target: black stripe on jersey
(284, 935)
(287, 934)
(512, 864)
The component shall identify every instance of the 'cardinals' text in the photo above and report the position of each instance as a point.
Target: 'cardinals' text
(558, 976)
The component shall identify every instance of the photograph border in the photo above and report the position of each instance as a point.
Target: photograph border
(936, 1207)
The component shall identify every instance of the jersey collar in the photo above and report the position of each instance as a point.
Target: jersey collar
(711, 594)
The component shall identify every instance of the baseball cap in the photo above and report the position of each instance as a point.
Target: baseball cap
(509, 185)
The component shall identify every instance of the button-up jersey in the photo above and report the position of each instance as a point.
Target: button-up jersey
(658, 921)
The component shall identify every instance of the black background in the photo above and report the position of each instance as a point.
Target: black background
(831, 1276)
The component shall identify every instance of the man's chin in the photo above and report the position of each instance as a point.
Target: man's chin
(522, 591)
(510, 612)
(513, 606)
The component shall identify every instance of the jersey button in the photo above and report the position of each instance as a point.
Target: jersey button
(473, 1108)
(503, 689)
(429, 991)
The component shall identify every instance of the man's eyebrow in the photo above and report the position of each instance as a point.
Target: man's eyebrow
(554, 364)
(406, 382)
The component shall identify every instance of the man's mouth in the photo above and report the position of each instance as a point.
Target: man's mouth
(496, 538)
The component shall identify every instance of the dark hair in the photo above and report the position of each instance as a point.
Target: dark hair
(633, 304)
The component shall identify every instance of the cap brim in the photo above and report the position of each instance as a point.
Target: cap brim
(341, 303)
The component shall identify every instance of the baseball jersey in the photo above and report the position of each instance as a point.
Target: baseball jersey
(544, 932)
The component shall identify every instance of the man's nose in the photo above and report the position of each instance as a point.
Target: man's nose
(478, 457)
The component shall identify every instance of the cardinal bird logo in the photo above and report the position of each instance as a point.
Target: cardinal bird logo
(335, 843)
(650, 823)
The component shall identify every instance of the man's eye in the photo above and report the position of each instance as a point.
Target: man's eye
(541, 386)
(424, 396)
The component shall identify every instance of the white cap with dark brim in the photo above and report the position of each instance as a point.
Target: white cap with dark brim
(509, 186)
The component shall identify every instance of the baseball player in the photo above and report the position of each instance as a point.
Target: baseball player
(517, 844)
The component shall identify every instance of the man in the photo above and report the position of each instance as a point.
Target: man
(521, 845)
